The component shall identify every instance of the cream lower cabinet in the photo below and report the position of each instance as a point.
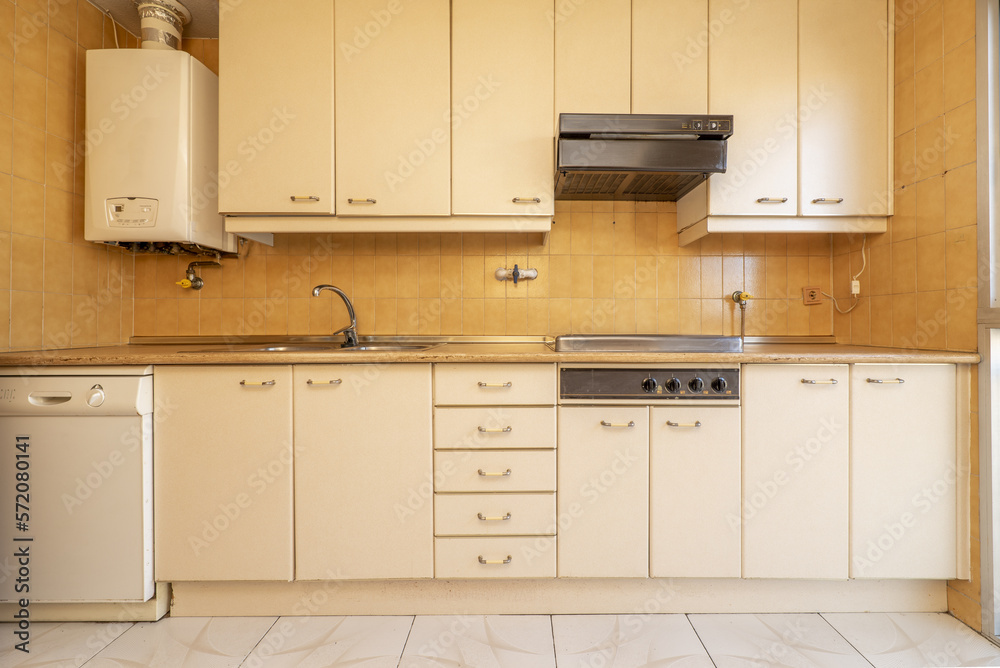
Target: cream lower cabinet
(904, 472)
(795, 471)
(603, 491)
(363, 472)
(694, 497)
(223, 473)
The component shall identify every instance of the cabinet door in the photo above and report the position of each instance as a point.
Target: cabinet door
(593, 57)
(903, 471)
(276, 106)
(694, 481)
(363, 479)
(670, 46)
(222, 473)
(758, 86)
(603, 499)
(843, 98)
(393, 121)
(501, 93)
(795, 471)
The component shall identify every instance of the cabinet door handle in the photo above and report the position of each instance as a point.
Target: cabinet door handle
(487, 474)
(335, 381)
(831, 381)
(828, 200)
(696, 423)
(628, 425)
(500, 385)
(771, 200)
(304, 198)
(527, 200)
(257, 383)
(369, 200)
(497, 430)
(484, 518)
(897, 381)
(495, 562)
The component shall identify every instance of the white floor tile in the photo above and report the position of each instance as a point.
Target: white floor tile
(774, 640)
(58, 644)
(326, 642)
(905, 639)
(191, 642)
(627, 641)
(500, 641)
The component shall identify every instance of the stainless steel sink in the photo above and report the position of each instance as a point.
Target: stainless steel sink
(389, 347)
(648, 343)
(369, 346)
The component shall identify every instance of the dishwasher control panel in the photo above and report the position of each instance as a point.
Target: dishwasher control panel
(649, 384)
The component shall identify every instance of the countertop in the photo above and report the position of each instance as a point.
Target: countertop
(457, 349)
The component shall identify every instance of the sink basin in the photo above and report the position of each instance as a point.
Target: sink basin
(369, 346)
(648, 343)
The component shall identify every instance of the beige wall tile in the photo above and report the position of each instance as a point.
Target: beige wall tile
(28, 152)
(26, 320)
(30, 41)
(928, 41)
(959, 25)
(904, 53)
(960, 133)
(62, 60)
(929, 92)
(960, 75)
(29, 96)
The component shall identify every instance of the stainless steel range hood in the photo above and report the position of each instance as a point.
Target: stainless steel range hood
(658, 157)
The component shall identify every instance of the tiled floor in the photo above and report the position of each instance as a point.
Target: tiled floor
(877, 640)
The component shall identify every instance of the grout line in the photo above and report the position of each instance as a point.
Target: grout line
(552, 630)
(409, 632)
(257, 644)
(860, 653)
(131, 625)
(707, 653)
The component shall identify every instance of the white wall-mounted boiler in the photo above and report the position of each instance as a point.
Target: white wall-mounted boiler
(151, 157)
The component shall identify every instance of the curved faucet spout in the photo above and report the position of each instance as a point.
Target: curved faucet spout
(351, 331)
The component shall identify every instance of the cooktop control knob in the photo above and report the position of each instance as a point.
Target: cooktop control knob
(720, 384)
(649, 385)
(673, 386)
(696, 384)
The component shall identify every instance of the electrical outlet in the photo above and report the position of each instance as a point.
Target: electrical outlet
(855, 288)
(811, 296)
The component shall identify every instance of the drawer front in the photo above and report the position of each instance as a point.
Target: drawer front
(494, 427)
(526, 557)
(494, 384)
(474, 471)
(494, 514)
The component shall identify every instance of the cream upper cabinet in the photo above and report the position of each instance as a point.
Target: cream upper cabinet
(670, 52)
(392, 106)
(752, 62)
(593, 57)
(844, 117)
(795, 471)
(222, 467)
(905, 472)
(276, 129)
(503, 157)
(359, 511)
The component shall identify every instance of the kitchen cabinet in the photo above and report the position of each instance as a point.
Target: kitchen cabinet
(603, 481)
(795, 471)
(359, 512)
(694, 482)
(392, 107)
(670, 47)
(276, 135)
(222, 467)
(502, 107)
(593, 57)
(904, 471)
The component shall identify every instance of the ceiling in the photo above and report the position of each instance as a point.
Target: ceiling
(204, 16)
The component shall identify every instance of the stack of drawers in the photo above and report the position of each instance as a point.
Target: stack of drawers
(494, 470)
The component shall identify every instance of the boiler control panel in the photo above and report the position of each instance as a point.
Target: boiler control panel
(131, 211)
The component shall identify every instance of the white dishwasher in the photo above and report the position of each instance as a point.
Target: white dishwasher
(76, 482)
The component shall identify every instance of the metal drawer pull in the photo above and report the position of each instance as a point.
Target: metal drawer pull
(487, 474)
(898, 381)
(257, 382)
(527, 200)
(828, 200)
(493, 519)
(335, 381)
(360, 201)
(495, 562)
(832, 381)
(772, 200)
(696, 423)
(630, 424)
(507, 384)
(305, 198)
(498, 430)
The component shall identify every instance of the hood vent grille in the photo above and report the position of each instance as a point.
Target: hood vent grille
(581, 183)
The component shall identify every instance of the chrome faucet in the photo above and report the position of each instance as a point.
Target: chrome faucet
(351, 331)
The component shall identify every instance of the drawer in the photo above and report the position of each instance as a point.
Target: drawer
(526, 557)
(480, 514)
(494, 384)
(530, 471)
(494, 427)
